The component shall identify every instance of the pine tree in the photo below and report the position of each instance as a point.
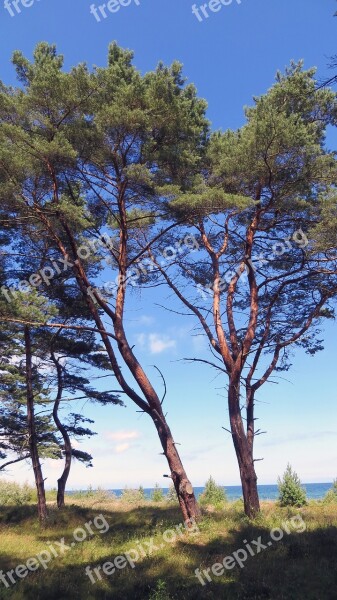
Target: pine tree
(291, 492)
(107, 143)
(256, 285)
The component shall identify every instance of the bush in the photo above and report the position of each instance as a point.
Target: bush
(291, 492)
(133, 496)
(157, 494)
(51, 495)
(213, 494)
(14, 494)
(95, 496)
(331, 495)
(171, 495)
(160, 592)
(141, 493)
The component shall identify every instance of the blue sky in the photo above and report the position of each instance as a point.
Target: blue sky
(230, 56)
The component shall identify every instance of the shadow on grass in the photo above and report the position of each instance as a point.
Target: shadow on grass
(301, 566)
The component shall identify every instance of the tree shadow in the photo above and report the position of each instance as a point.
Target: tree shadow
(301, 566)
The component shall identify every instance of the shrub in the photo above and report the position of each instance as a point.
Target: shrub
(331, 495)
(213, 494)
(51, 495)
(291, 492)
(133, 496)
(14, 494)
(157, 494)
(160, 593)
(101, 495)
(141, 493)
(171, 495)
(81, 494)
(95, 496)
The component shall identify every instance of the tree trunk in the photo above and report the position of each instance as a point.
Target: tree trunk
(61, 486)
(152, 407)
(184, 489)
(62, 481)
(183, 486)
(39, 481)
(244, 451)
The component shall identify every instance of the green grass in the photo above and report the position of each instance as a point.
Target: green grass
(300, 567)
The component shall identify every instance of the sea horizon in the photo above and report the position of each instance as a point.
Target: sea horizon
(315, 491)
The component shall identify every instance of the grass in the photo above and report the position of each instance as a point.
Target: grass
(300, 566)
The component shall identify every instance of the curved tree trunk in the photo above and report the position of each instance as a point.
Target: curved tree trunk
(62, 481)
(244, 451)
(39, 481)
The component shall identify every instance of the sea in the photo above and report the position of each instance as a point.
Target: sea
(315, 491)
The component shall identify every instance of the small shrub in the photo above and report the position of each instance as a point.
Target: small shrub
(133, 496)
(213, 494)
(238, 505)
(157, 494)
(51, 495)
(83, 494)
(160, 592)
(101, 495)
(171, 495)
(141, 493)
(291, 492)
(94, 496)
(331, 495)
(14, 494)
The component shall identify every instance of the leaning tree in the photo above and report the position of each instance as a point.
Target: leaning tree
(88, 153)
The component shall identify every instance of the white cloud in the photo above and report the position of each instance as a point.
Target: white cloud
(141, 339)
(159, 343)
(123, 440)
(155, 343)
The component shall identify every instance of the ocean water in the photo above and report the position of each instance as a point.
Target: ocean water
(315, 491)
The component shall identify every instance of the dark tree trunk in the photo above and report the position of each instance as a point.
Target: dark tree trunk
(62, 481)
(61, 484)
(34, 454)
(244, 451)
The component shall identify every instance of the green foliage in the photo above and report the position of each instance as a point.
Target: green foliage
(133, 496)
(94, 496)
(291, 492)
(160, 592)
(14, 494)
(331, 495)
(204, 201)
(157, 494)
(213, 494)
(171, 495)
(141, 492)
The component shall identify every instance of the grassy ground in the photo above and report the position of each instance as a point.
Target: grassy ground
(300, 566)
